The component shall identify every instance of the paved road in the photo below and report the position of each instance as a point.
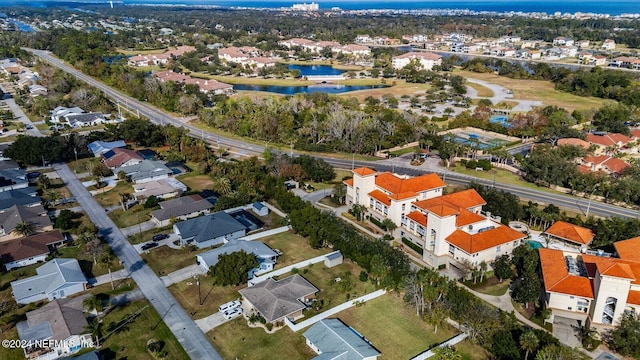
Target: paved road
(501, 93)
(242, 148)
(22, 117)
(183, 327)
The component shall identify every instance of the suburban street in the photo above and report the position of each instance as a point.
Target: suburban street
(19, 114)
(157, 116)
(192, 339)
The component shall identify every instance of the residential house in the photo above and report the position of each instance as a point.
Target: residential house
(425, 60)
(16, 214)
(162, 189)
(159, 59)
(29, 250)
(604, 163)
(607, 143)
(55, 279)
(85, 120)
(181, 208)
(574, 142)
(297, 42)
(363, 39)
(121, 157)
(58, 114)
(27, 197)
(36, 90)
(582, 44)
(595, 290)
(386, 195)
(625, 62)
(563, 41)
(100, 147)
(608, 44)
(568, 234)
(412, 38)
(266, 256)
(507, 52)
(597, 60)
(569, 51)
(209, 230)
(529, 54)
(332, 339)
(206, 86)
(12, 179)
(354, 50)
(276, 300)
(61, 325)
(8, 164)
(144, 171)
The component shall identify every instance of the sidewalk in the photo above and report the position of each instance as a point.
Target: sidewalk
(183, 274)
(106, 278)
(136, 229)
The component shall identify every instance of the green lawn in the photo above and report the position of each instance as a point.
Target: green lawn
(483, 91)
(112, 197)
(490, 286)
(10, 354)
(147, 235)
(86, 261)
(501, 176)
(196, 182)
(135, 215)
(294, 248)
(235, 340)
(131, 342)
(83, 165)
(164, 260)
(186, 293)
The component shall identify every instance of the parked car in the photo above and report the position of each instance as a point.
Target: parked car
(159, 237)
(29, 127)
(229, 314)
(148, 246)
(229, 306)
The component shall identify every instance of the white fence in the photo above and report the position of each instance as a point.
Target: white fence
(287, 269)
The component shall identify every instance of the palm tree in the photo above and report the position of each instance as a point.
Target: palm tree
(95, 328)
(124, 197)
(52, 196)
(93, 303)
(24, 228)
(389, 225)
(224, 185)
(85, 237)
(528, 342)
(44, 181)
(447, 353)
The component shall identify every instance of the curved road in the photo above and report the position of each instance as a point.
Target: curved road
(157, 116)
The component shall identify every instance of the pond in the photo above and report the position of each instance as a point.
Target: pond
(316, 70)
(290, 90)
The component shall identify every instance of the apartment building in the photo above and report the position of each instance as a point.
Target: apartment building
(590, 287)
(451, 229)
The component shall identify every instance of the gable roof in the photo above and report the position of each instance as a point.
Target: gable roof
(180, 207)
(56, 320)
(24, 196)
(16, 214)
(574, 142)
(628, 249)
(275, 299)
(209, 227)
(99, 147)
(144, 169)
(557, 278)
(484, 240)
(363, 171)
(570, 232)
(418, 217)
(256, 248)
(50, 276)
(335, 340)
(119, 156)
(30, 246)
(465, 199)
(608, 139)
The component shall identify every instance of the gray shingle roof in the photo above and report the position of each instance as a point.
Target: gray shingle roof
(13, 177)
(251, 247)
(275, 299)
(16, 214)
(180, 207)
(100, 147)
(25, 196)
(209, 227)
(51, 276)
(144, 169)
(56, 320)
(335, 340)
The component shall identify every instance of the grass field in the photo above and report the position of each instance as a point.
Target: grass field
(86, 261)
(164, 259)
(397, 88)
(196, 182)
(186, 293)
(141, 52)
(483, 91)
(235, 340)
(147, 235)
(294, 248)
(131, 342)
(135, 215)
(83, 165)
(537, 90)
(112, 197)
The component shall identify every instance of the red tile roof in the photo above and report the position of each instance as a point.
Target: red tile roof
(443, 210)
(628, 249)
(121, 156)
(635, 133)
(484, 240)
(570, 232)
(349, 182)
(363, 171)
(623, 268)
(465, 199)
(615, 165)
(615, 269)
(633, 297)
(467, 217)
(608, 140)
(557, 278)
(396, 185)
(418, 217)
(380, 196)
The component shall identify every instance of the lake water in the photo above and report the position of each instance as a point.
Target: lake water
(290, 90)
(316, 70)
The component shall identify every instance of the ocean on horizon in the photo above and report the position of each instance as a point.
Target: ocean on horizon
(503, 6)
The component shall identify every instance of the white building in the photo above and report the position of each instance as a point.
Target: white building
(595, 290)
(608, 44)
(426, 60)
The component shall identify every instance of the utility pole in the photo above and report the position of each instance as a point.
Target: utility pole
(199, 293)
(75, 151)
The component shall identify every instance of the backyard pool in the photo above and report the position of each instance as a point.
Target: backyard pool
(500, 119)
(482, 142)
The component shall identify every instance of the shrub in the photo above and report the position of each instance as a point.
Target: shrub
(363, 276)
(410, 244)
(269, 326)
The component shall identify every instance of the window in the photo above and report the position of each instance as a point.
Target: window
(498, 248)
(404, 206)
(403, 220)
(452, 249)
(412, 225)
(386, 210)
(420, 230)
(370, 202)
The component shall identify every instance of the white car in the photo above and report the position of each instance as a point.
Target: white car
(231, 313)
(229, 306)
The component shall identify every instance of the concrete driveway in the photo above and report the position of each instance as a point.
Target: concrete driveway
(566, 330)
(212, 321)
